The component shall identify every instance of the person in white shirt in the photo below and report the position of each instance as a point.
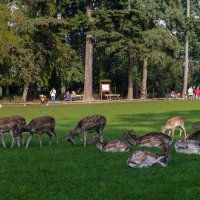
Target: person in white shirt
(190, 92)
(53, 95)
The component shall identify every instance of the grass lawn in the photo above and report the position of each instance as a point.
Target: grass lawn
(66, 172)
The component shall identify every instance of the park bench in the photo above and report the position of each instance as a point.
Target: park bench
(79, 97)
(112, 96)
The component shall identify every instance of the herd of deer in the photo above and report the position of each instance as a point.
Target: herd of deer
(16, 125)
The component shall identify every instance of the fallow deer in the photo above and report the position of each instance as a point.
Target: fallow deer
(141, 159)
(196, 126)
(12, 124)
(187, 146)
(194, 135)
(111, 146)
(153, 139)
(45, 124)
(172, 123)
(93, 123)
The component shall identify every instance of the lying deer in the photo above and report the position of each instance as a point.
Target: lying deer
(172, 123)
(111, 146)
(12, 124)
(141, 159)
(187, 146)
(153, 139)
(45, 124)
(194, 135)
(88, 124)
(196, 126)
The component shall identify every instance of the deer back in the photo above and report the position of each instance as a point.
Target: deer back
(194, 135)
(40, 124)
(116, 146)
(12, 122)
(92, 123)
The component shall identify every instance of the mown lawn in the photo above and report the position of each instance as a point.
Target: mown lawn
(66, 172)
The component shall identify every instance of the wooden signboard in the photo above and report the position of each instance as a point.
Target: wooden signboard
(105, 87)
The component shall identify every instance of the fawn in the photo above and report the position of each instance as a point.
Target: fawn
(172, 123)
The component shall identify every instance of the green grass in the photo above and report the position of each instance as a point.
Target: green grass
(65, 172)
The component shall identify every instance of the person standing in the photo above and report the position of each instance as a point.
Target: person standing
(53, 95)
(190, 92)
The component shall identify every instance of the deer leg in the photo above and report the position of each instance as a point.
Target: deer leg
(13, 138)
(21, 138)
(169, 133)
(50, 137)
(53, 131)
(3, 139)
(18, 141)
(173, 129)
(100, 133)
(40, 139)
(184, 130)
(180, 131)
(29, 139)
(85, 138)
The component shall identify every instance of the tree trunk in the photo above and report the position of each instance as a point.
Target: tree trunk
(186, 69)
(63, 88)
(130, 77)
(1, 91)
(144, 79)
(87, 95)
(25, 91)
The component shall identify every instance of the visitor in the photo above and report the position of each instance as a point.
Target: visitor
(73, 96)
(67, 96)
(172, 94)
(197, 93)
(190, 92)
(53, 95)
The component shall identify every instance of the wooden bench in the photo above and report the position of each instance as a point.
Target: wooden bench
(111, 96)
(79, 97)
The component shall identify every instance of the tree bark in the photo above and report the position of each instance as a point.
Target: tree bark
(1, 91)
(144, 79)
(130, 77)
(25, 91)
(186, 69)
(63, 88)
(87, 95)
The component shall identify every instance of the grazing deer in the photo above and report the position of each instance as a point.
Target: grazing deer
(187, 146)
(153, 139)
(141, 159)
(12, 124)
(172, 123)
(194, 135)
(45, 124)
(88, 124)
(111, 146)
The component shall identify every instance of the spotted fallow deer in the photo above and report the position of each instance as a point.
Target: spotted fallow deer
(39, 125)
(111, 146)
(93, 123)
(12, 124)
(153, 139)
(187, 146)
(172, 123)
(140, 159)
(194, 135)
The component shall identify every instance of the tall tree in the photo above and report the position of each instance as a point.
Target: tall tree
(88, 82)
(186, 67)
